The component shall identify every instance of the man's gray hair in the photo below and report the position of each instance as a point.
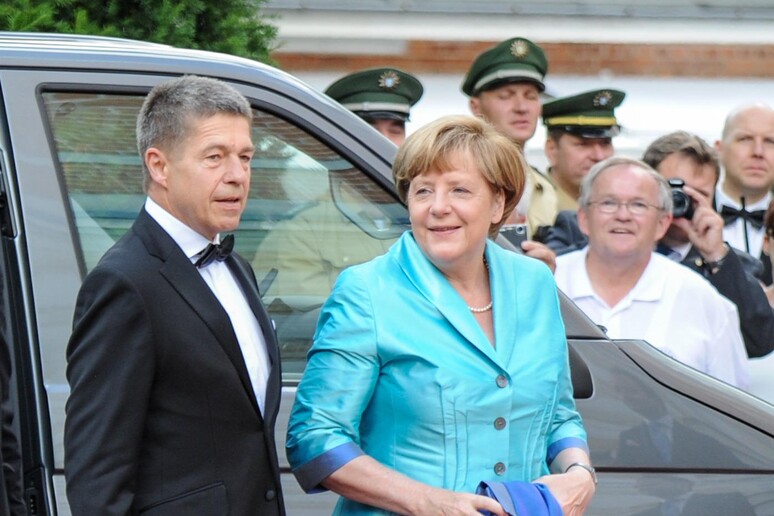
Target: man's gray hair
(664, 190)
(163, 121)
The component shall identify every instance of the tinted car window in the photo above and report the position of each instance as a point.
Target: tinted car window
(94, 136)
(311, 212)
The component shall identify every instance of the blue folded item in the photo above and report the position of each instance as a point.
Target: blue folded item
(521, 498)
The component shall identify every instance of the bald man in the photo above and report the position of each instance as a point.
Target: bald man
(746, 152)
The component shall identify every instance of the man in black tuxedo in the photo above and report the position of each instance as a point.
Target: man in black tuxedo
(746, 151)
(173, 362)
(697, 242)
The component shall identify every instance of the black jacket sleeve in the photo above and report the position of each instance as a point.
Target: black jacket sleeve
(756, 316)
(565, 235)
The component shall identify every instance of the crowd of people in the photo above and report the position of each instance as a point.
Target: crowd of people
(416, 398)
(673, 248)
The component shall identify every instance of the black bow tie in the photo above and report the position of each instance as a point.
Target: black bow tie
(755, 218)
(217, 252)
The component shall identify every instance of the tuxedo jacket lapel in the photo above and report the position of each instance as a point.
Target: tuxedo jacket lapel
(183, 276)
(246, 280)
(766, 277)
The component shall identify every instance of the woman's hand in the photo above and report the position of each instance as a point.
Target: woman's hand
(573, 490)
(365, 480)
(540, 252)
(441, 502)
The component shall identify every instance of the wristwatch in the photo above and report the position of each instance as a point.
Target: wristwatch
(713, 266)
(587, 467)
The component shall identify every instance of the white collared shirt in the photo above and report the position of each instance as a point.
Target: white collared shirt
(671, 307)
(226, 288)
(734, 233)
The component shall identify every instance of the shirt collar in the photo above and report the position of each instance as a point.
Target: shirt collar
(186, 238)
(647, 288)
(650, 286)
(682, 250)
(581, 287)
(722, 198)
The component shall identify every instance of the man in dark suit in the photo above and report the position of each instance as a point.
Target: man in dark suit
(697, 242)
(173, 363)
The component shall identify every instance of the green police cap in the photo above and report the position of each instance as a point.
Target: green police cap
(513, 60)
(589, 115)
(377, 93)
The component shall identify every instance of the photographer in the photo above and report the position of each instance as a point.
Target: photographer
(695, 239)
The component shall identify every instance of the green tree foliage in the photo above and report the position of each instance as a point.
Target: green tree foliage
(230, 26)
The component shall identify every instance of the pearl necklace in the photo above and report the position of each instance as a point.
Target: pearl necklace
(480, 310)
(483, 308)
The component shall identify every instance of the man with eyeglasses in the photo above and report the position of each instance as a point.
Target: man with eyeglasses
(696, 239)
(621, 283)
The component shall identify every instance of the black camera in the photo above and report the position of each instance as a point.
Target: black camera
(682, 203)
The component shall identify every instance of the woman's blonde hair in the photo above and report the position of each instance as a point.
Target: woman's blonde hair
(433, 146)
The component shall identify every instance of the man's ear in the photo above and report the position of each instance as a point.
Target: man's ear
(550, 150)
(156, 162)
(719, 147)
(583, 221)
(663, 225)
(475, 106)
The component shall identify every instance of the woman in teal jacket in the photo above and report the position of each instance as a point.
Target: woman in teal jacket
(443, 362)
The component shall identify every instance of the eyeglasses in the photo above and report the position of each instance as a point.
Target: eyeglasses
(634, 207)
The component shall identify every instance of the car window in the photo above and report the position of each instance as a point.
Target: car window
(321, 215)
(311, 212)
(94, 137)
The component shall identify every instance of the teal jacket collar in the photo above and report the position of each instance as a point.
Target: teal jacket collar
(433, 285)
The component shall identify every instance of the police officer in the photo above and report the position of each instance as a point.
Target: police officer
(380, 96)
(504, 84)
(580, 134)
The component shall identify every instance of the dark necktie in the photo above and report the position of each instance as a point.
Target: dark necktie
(668, 252)
(755, 218)
(217, 252)
(663, 249)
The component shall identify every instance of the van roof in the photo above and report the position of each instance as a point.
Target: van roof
(46, 50)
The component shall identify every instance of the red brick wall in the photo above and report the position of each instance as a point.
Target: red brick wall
(663, 60)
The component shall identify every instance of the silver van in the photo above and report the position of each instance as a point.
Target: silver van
(321, 199)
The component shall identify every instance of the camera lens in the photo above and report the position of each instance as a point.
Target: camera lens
(682, 204)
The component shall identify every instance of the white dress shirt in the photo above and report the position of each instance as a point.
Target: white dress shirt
(734, 233)
(221, 281)
(671, 307)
